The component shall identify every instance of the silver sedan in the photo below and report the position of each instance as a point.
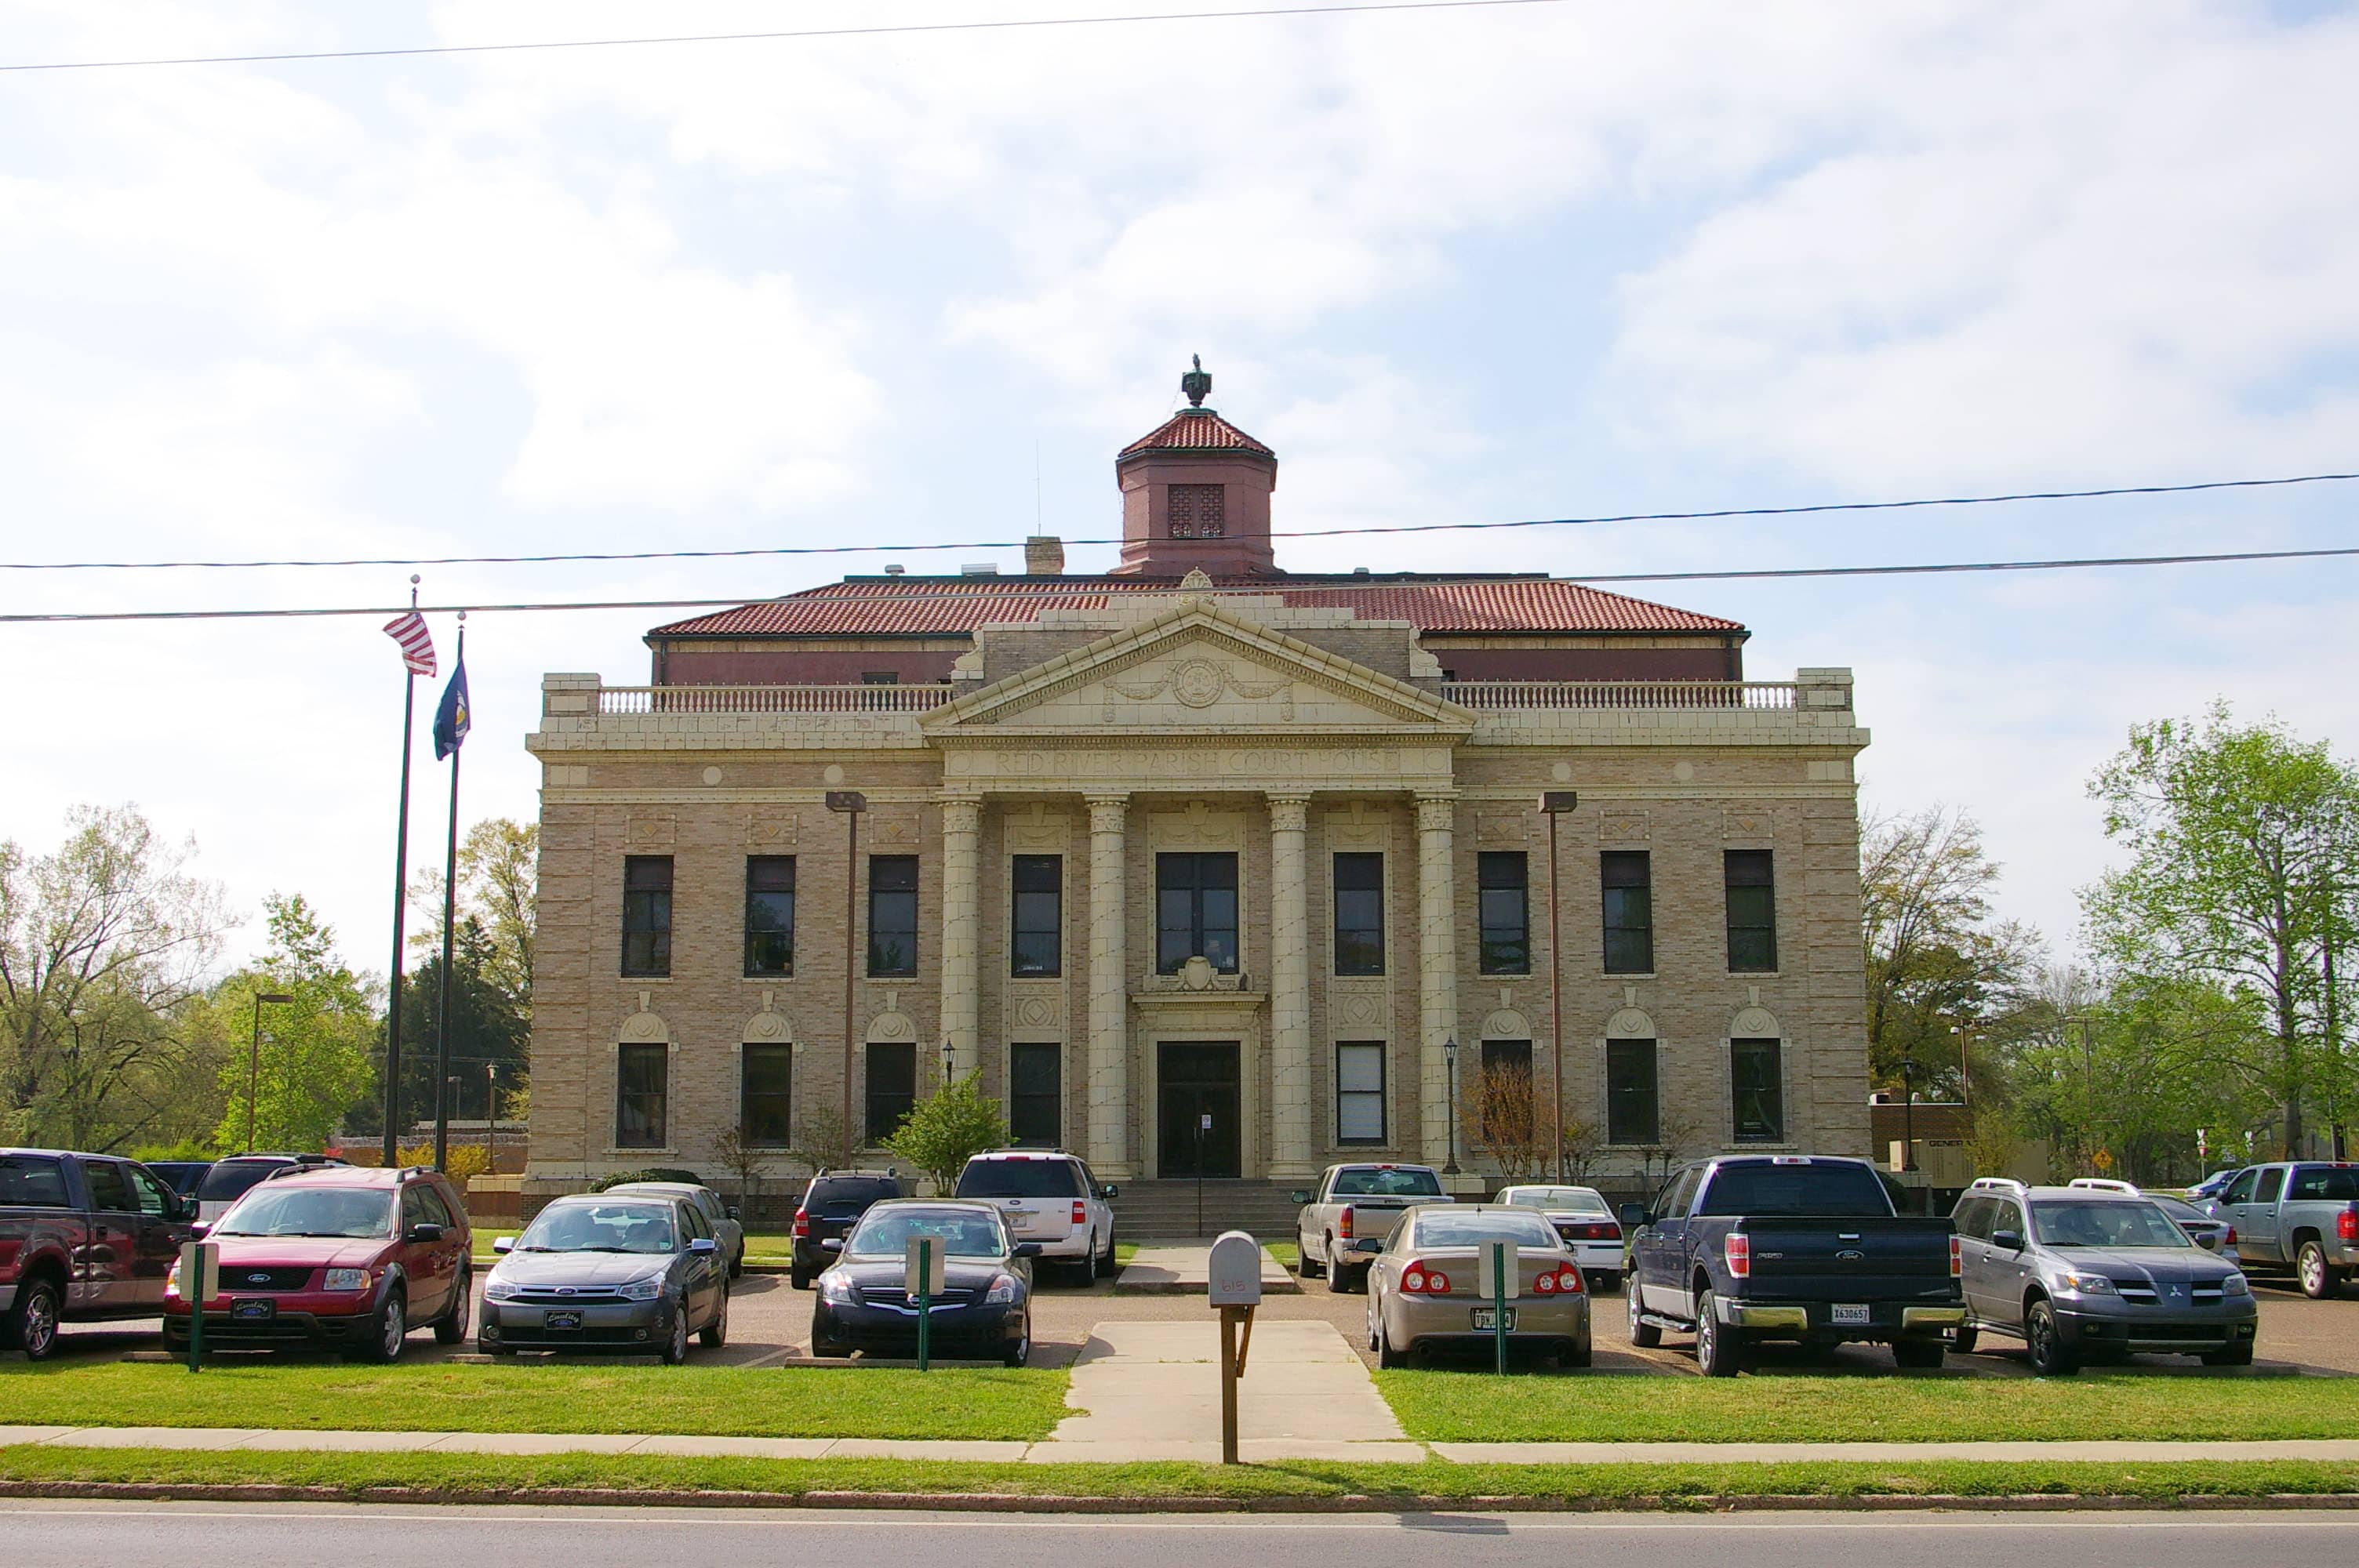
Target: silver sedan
(1422, 1292)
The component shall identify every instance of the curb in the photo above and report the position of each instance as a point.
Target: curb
(1013, 1503)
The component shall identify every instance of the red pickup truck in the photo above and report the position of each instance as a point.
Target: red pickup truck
(82, 1238)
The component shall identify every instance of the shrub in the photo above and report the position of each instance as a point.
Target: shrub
(467, 1161)
(652, 1174)
(947, 1127)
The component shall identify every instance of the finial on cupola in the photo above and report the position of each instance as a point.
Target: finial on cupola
(1197, 384)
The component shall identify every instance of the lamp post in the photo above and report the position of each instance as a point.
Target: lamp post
(950, 1061)
(491, 1119)
(1450, 1060)
(254, 1060)
(848, 804)
(1555, 803)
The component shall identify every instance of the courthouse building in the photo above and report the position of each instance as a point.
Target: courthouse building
(1204, 865)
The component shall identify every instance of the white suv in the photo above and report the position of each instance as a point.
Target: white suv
(1051, 1198)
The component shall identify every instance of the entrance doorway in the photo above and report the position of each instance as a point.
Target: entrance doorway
(1197, 1119)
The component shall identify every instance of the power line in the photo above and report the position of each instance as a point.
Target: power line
(1003, 25)
(1047, 587)
(1721, 513)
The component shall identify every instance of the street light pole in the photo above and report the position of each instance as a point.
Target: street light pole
(491, 1119)
(254, 1060)
(848, 804)
(1450, 1060)
(1556, 802)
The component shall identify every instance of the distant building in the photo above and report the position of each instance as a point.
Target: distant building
(1203, 864)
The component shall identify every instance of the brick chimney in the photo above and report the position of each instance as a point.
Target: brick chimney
(1044, 556)
(1195, 494)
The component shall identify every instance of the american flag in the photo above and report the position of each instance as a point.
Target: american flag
(417, 645)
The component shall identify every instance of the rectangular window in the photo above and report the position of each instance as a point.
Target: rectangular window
(1036, 1099)
(1360, 1091)
(765, 1095)
(642, 1079)
(1195, 911)
(1198, 511)
(892, 1086)
(1629, 911)
(647, 915)
(1036, 943)
(1502, 1096)
(1752, 912)
(892, 914)
(1758, 1087)
(1502, 879)
(1359, 914)
(769, 914)
(880, 677)
(1630, 1106)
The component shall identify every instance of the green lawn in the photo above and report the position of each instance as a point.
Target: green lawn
(807, 1401)
(761, 1246)
(1124, 1251)
(1287, 1253)
(1478, 1407)
(462, 1478)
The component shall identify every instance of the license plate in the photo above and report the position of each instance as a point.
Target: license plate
(1851, 1316)
(254, 1312)
(1016, 1219)
(561, 1320)
(1487, 1319)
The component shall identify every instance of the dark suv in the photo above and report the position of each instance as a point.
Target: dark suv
(832, 1204)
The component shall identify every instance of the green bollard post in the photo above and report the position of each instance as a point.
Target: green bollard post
(925, 1302)
(1499, 1303)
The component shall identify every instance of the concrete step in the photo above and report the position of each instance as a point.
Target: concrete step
(1156, 1209)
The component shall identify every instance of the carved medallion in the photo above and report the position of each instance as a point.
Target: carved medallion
(1199, 683)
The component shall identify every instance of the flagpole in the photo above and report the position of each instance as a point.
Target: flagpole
(450, 907)
(400, 903)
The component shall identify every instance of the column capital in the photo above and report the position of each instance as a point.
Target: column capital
(1289, 810)
(1437, 810)
(962, 813)
(1107, 811)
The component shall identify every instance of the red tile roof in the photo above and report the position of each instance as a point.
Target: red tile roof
(905, 606)
(1195, 430)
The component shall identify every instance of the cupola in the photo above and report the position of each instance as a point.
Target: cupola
(1195, 494)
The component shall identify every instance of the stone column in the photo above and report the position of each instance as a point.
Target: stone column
(1292, 1144)
(1437, 966)
(1109, 1086)
(961, 928)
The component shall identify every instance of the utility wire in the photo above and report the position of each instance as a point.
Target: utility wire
(1278, 533)
(1002, 25)
(1049, 588)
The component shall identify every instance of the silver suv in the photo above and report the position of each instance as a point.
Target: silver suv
(2077, 1272)
(1049, 1197)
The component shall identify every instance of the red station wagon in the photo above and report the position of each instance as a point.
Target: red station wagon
(341, 1255)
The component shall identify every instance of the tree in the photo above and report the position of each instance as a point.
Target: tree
(499, 870)
(312, 1065)
(2244, 847)
(744, 1160)
(487, 1030)
(1501, 1118)
(822, 1142)
(947, 1128)
(1933, 955)
(103, 947)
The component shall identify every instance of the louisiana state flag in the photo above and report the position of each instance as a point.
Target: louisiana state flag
(452, 718)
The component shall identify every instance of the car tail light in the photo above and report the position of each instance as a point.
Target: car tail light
(1601, 1232)
(802, 1224)
(1343, 1224)
(1080, 1215)
(1562, 1280)
(1957, 1258)
(2346, 1225)
(1420, 1278)
(2229, 1239)
(1739, 1252)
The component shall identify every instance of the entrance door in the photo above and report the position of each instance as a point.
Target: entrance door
(1197, 1119)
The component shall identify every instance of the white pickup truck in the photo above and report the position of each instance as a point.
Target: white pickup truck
(1355, 1206)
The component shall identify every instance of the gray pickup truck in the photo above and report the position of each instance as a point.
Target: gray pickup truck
(2302, 1216)
(1344, 1222)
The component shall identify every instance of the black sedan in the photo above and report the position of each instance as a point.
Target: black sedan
(604, 1273)
(985, 1310)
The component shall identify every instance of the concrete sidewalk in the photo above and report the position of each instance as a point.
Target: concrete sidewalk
(1185, 1268)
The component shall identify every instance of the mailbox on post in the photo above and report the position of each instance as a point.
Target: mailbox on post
(1233, 1281)
(1233, 1277)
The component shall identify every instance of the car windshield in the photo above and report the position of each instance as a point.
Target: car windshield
(354, 1211)
(2068, 1223)
(1020, 1179)
(234, 1178)
(2337, 1184)
(600, 1227)
(1815, 1189)
(1477, 1225)
(1385, 1182)
(1576, 1200)
(963, 1233)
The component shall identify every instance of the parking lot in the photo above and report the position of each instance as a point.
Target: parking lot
(769, 1324)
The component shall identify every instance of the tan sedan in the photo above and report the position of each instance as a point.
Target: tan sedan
(1422, 1296)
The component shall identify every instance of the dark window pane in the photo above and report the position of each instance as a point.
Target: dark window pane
(1752, 912)
(1758, 1090)
(642, 1075)
(1036, 939)
(647, 915)
(1196, 910)
(892, 914)
(1196, 511)
(766, 1097)
(1359, 914)
(1503, 1097)
(769, 914)
(1629, 911)
(1630, 1103)
(1502, 878)
(1360, 1091)
(1036, 1094)
(892, 1086)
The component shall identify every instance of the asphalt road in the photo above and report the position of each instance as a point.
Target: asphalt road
(138, 1535)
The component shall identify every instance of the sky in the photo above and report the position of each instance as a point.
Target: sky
(1519, 262)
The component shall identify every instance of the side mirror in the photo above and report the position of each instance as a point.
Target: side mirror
(1109, 1192)
(1300, 1195)
(703, 1246)
(1634, 1216)
(422, 1233)
(1026, 1250)
(732, 1212)
(832, 1244)
(184, 1210)
(2012, 1240)
(504, 1245)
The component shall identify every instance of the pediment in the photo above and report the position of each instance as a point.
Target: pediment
(1201, 668)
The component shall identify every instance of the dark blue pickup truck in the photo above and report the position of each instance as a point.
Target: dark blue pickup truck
(1749, 1248)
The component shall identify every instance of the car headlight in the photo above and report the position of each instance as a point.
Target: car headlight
(645, 1289)
(2236, 1285)
(498, 1290)
(1002, 1292)
(2088, 1284)
(835, 1287)
(345, 1279)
